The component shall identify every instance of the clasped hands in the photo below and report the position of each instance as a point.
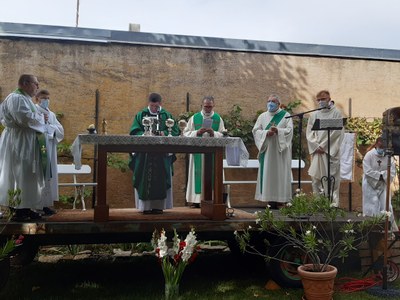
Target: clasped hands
(272, 131)
(202, 130)
(319, 150)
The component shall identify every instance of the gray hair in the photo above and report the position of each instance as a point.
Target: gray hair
(276, 97)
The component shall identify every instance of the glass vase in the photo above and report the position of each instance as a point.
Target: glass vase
(171, 291)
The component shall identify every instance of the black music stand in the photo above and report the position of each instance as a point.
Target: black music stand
(329, 124)
(300, 116)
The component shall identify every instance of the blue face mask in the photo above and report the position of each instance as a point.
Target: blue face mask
(44, 103)
(380, 151)
(272, 106)
(323, 103)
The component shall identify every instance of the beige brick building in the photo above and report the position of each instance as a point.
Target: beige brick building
(124, 67)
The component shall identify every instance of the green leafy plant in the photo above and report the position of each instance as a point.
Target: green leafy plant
(1, 128)
(14, 200)
(116, 161)
(237, 126)
(313, 226)
(64, 150)
(367, 131)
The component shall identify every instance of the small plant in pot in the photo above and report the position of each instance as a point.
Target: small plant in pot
(314, 228)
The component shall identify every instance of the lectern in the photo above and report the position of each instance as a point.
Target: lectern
(328, 125)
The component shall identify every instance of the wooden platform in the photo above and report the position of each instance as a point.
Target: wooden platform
(70, 226)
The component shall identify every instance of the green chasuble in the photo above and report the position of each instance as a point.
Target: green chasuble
(274, 121)
(151, 171)
(198, 123)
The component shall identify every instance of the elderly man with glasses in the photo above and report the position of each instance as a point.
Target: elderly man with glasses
(20, 149)
(318, 148)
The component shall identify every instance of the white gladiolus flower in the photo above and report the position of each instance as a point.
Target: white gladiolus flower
(308, 232)
(289, 204)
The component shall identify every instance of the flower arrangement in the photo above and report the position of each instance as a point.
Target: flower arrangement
(174, 259)
(311, 224)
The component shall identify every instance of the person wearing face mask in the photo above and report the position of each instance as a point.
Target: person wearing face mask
(204, 123)
(54, 134)
(273, 134)
(152, 172)
(374, 182)
(317, 141)
(20, 154)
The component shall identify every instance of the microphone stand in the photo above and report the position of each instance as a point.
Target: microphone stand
(300, 116)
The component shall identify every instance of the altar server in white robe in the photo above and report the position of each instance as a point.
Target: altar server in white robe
(374, 182)
(54, 133)
(204, 123)
(318, 148)
(273, 134)
(20, 161)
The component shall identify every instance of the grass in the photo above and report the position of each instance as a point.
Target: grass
(216, 276)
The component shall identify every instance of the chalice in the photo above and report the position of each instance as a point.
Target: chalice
(147, 122)
(170, 123)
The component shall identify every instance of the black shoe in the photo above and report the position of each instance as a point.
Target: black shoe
(147, 212)
(195, 205)
(48, 211)
(155, 211)
(25, 214)
(34, 215)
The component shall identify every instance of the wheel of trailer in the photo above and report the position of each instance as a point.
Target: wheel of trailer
(25, 253)
(392, 271)
(4, 271)
(283, 269)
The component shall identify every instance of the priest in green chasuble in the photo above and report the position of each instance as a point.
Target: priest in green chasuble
(152, 172)
(205, 123)
(273, 135)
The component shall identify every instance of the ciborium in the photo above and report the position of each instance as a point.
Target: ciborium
(182, 125)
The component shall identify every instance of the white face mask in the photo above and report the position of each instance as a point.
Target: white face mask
(44, 103)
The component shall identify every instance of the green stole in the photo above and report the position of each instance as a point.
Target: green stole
(273, 122)
(40, 139)
(198, 123)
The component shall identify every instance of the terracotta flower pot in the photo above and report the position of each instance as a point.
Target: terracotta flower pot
(317, 285)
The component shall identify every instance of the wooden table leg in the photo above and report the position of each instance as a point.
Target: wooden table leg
(212, 206)
(101, 210)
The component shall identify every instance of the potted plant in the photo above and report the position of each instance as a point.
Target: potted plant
(313, 228)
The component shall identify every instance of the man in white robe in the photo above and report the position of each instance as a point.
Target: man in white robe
(374, 182)
(20, 159)
(204, 123)
(54, 133)
(318, 148)
(273, 134)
